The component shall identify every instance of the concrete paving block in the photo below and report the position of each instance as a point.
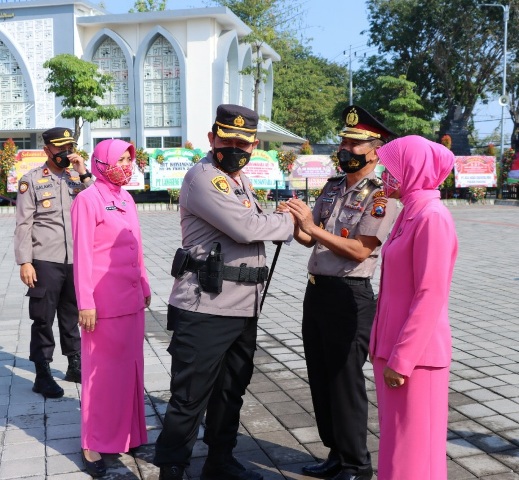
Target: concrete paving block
(481, 465)
(65, 463)
(306, 434)
(20, 468)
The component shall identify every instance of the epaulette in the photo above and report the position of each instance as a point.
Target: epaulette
(341, 176)
(376, 181)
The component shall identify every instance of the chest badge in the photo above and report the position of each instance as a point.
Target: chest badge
(345, 232)
(46, 204)
(247, 203)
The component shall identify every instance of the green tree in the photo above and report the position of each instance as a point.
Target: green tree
(81, 86)
(453, 58)
(306, 93)
(403, 114)
(148, 6)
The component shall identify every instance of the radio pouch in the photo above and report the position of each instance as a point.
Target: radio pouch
(210, 276)
(180, 261)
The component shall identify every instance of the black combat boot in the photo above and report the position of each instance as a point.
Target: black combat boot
(74, 368)
(223, 466)
(44, 382)
(171, 472)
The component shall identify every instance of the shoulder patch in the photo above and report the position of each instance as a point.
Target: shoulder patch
(221, 184)
(378, 210)
(23, 187)
(379, 194)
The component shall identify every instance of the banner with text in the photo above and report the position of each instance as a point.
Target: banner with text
(169, 165)
(316, 168)
(28, 159)
(475, 171)
(263, 170)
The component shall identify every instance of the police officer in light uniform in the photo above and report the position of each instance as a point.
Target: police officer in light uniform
(349, 222)
(43, 249)
(214, 304)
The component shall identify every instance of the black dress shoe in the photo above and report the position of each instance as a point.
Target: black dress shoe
(171, 472)
(94, 469)
(344, 475)
(331, 466)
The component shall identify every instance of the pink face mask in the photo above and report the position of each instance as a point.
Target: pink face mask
(119, 174)
(389, 183)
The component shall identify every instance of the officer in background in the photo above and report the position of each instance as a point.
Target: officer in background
(350, 220)
(214, 305)
(43, 249)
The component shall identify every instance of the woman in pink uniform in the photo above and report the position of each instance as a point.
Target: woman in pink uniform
(112, 292)
(410, 341)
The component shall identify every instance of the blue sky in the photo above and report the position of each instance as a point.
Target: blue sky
(334, 26)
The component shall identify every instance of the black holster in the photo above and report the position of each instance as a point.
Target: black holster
(210, 275)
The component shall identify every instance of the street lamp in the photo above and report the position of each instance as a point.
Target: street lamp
(503, 101)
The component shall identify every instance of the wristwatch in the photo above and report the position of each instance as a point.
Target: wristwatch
(84, 176)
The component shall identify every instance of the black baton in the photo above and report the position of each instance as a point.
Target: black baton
(271, 271)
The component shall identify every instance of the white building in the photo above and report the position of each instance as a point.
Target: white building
(171, 69)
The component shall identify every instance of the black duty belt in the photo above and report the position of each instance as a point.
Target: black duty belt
(329, 280)
(234, 274)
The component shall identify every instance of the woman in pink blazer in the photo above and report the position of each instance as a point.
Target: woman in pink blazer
(410, 343)
(112, 292)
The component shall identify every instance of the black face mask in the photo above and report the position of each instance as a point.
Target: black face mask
(351, 162)
(231, 159)
(61, 159)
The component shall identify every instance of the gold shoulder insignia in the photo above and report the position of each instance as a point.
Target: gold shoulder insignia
(221, 184)
(376, 181)
(379, 194)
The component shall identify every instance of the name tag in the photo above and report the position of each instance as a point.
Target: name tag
(112, 207)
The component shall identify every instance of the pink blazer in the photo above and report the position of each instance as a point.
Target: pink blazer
(411, 326)
(109, 272)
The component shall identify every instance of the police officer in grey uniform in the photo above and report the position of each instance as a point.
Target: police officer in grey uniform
(43, 249)
(349, 222)
(214, 304)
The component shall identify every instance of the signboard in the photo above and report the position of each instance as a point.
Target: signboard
(513, 174)
(168, 166)
(28, 159)
(263, 170)
(475, 171)
(25, 160)
(316, 168)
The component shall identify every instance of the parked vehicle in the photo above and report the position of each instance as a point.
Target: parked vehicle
(286, 193)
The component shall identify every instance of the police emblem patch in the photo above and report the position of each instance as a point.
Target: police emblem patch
(378, 210)
(23, 187)
(46, 204)
(221, 184)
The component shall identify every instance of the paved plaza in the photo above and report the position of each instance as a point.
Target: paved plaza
(40, 439)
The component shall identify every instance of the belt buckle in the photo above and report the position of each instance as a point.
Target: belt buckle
(311, 278)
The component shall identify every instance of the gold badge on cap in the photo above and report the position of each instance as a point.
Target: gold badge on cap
(23, 187)
(239, 121)
(221, 184)
(352, 118)
(46, 204)
(66, 134)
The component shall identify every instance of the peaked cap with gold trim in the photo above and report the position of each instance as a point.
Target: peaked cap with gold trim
(58, 136)
(361, 125)
(235, 121)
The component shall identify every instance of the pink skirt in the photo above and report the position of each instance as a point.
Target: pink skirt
(413, 424)
(112, 385)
